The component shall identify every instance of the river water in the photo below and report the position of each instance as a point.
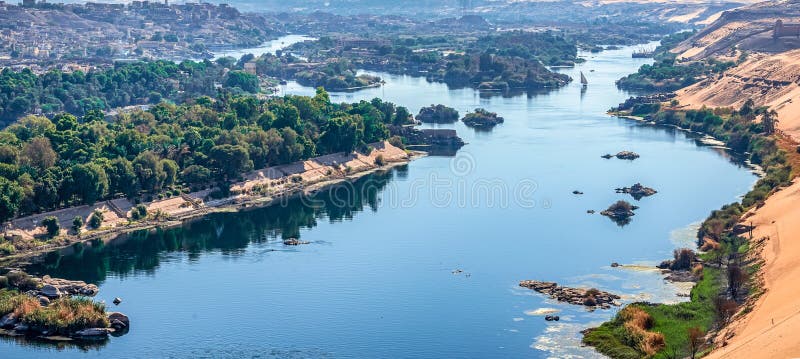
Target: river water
(422, 261)
(269, 47)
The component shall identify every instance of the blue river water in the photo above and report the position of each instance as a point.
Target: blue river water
(422, 261)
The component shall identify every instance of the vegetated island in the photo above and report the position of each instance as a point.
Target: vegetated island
(55, 310)
(482, 119)
(620, 212)
(437, 114)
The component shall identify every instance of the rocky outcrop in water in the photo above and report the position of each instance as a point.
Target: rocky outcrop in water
(627, 155)
(620, 212)
(623, 155)
(294, 242)
(56, 288)
(591, 298)
(637, 191)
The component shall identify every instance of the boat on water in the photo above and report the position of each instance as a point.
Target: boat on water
(584, 81)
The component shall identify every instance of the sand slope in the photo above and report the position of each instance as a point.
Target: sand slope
(772, 329)
(770, 80)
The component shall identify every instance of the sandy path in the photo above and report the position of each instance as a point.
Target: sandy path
(772, 329)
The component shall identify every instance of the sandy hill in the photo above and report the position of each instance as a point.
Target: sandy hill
(748, 28)
(770, 75)
(769, 79)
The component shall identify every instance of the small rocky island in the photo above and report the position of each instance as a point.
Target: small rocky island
(623, 155)
(482, 119)
(55, 309)
(437, 114)
(620, 212)
(637, 191)
(294, 242)
(591, 298)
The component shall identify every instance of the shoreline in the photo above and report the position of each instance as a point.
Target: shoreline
(178, 215)
(760, 320)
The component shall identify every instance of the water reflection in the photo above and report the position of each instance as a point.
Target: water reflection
(227, 233)
(57, 345)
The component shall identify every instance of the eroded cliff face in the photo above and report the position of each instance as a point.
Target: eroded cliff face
(748, 29)
(769, 67)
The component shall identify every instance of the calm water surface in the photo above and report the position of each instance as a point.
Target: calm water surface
(377, 279)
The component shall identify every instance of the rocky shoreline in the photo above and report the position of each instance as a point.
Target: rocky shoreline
(590, 298)
(47, 292)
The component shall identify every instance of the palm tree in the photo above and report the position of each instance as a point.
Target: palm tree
(770, 121)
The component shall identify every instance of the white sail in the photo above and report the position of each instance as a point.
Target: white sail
(583, 79)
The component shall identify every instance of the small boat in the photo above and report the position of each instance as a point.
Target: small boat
(584, 81)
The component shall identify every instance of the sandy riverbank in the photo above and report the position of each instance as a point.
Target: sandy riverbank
(771, 329)
(259, 188)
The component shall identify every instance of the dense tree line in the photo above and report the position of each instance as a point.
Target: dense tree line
(68, 160)
(25, 92)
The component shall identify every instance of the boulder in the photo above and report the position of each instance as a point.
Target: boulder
(119, 317)
(50, 291)
(66, 287)
(8, 320)
(44, 301)
(93, 333)
(21, 328)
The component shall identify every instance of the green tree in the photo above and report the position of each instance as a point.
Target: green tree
(39, 153)
(149, 170)
(242, 80)
(10, 198)
(122, 177)
(342, 134)
(231, 160)
(90, 182)
(51, 226)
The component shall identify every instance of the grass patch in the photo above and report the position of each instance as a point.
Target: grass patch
(68, 315)
(63, 316)
(643, 330)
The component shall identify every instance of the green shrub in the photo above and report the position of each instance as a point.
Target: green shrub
(51, 225)
(139, 212)
(380, 161)
(77, 224)
(7, 248)
(96, 219)
(21, 281)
